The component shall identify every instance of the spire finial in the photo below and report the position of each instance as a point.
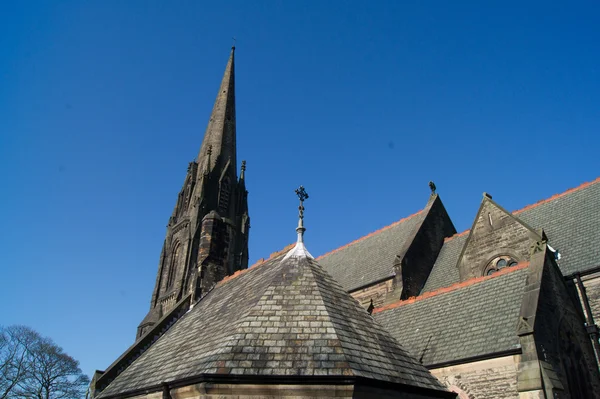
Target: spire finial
(243, 173)
(233, 45)
(302, 196)
(300, 250)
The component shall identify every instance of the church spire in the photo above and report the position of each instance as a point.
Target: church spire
(220, 132)
(207, 234)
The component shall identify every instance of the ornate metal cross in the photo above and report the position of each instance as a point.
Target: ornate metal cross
(303, 196)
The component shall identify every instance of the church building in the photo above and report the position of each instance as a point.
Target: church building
(505, 309)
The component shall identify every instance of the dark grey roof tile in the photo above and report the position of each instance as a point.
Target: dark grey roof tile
(473, 320)
(444, 272)
(214, 337)
(370, 258)
(572, 223)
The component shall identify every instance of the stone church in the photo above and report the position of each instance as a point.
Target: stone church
(414, 310)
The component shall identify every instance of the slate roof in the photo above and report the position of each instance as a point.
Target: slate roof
(280, 318)
(477, 318)
(571, 221)
(370, 258)
(444, 272)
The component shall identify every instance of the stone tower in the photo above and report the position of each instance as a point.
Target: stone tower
(207, 234)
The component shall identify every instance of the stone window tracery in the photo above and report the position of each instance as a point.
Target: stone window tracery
(224, 195)
(499, 263)
(173, 266)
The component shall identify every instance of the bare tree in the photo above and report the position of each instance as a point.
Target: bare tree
(15, 344)
(36, 368)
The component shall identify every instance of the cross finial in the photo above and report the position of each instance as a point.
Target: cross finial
(299, 251)
(302, 196)
(233, 45)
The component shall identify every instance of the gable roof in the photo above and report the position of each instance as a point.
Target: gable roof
(279, 318)
(475, 318)
(370, 258)
(571, 221)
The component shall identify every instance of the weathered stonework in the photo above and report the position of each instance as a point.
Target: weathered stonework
(243, 391)
(485, 379)
(378, 293)
(592, 288)
(495, 232)
(198, 252)
(416, 260)
(561, 339)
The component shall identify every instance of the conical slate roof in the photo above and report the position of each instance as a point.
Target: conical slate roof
(282, 318)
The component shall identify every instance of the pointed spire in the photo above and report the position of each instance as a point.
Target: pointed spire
(220, 132)
(300, 251)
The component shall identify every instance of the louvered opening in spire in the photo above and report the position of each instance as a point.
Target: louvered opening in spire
(220, 132)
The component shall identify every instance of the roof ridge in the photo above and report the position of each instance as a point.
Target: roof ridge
(535, 204)
(462, 233)
(453, 287)
(371, 234)
(559, 195)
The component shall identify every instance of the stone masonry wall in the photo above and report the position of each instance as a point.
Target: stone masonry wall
(485, 379)
(415, 263)
(249, 391)
(592, 288)
(377, 292)
(561, 338)
(419, 258)
(495, 233)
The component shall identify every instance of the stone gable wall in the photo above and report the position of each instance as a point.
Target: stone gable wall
(423, 251)
(379, 293)
(485, 379)
(495, 233)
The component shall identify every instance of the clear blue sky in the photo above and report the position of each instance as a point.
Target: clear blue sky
(104, 103)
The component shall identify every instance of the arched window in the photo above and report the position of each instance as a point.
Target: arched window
(224, 193)
(499, 263)
(173, 266)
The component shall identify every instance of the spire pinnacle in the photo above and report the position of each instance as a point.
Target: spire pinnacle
(243, 171)
(300, 251)
(220, 132)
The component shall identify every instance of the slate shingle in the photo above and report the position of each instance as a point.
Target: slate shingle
(473, 320)
(370, 258)
(281, 318)
(572, 224)
(444, 272)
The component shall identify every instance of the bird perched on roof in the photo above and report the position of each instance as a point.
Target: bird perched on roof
(432, 187)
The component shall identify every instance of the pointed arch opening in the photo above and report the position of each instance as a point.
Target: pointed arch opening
(224, 193)
(175, 254)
